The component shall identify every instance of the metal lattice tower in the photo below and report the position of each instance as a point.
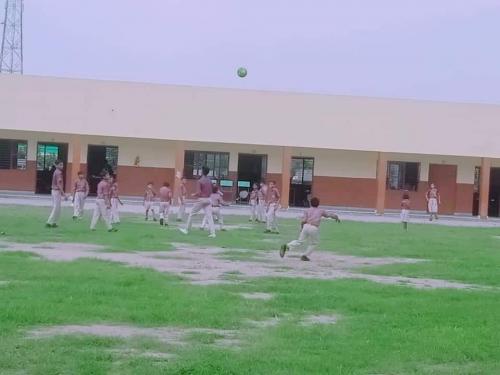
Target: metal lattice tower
(11, 53)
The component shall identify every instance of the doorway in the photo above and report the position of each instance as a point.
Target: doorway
(494, 198)
(445, 178)
(99, 159)
(251, 169)
(46, 156)
(301, 181)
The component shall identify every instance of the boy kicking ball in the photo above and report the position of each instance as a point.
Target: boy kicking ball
(310, 230)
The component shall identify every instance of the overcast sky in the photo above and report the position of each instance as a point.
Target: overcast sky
(426, 49)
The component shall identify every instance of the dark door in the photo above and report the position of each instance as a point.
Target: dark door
(494, 199)
(301, 181)
(99, 159)
(444, 176)
(251, 169)
(46, 156)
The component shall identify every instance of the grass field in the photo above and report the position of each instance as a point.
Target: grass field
(380, 328)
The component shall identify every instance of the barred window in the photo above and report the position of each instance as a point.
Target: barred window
(218, 162)
(403, 175)
(13, 154)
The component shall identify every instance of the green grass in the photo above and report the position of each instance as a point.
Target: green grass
(382, 329)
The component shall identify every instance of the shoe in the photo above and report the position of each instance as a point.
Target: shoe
(92, 229)
(161, 222)
(54, 225)
(211, 235)
(154, 219)
(223, 230)
(183, 231)
(75, 217)
(276, 232)
(304, 258)
(47, 225)
(145, 219)
(112, 230)
(267, 231)
(283, 250)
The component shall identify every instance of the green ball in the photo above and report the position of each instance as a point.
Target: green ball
(242, 72)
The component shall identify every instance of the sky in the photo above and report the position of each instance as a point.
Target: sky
(446, 50)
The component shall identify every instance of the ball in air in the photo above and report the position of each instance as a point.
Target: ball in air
(242, 72)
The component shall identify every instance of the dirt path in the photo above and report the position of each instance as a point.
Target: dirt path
(208, 265)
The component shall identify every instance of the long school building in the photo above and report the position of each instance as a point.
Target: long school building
(348, 151)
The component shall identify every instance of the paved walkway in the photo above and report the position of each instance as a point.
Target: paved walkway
(134, 205)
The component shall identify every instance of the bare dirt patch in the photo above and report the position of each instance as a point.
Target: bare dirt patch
(319, 319)
(257, 295)
(161, 356)
(166, 335)
(209, 265)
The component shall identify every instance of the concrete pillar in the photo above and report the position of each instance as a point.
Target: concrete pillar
(285, 176)
(76, 154)
(381, 183)
(179, 168)
(484, 187)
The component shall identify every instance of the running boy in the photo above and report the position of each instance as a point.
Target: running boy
(57, 193)
(182, 200)
(272, 206)
(115, 200)
(310, 230)
(103, 204)
(217, 203)
(405, 210)
(149, 200)
(80, 193)
(203, 192)
(165, 202)
(253, 200)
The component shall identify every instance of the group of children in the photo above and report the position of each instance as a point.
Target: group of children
(106, 203)
(264, 202)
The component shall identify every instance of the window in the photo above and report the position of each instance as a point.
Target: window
(112, 157)
(402, 175)
(477, 176)
(46, 156)
(302, 171)
(13, 154)
(218, 162)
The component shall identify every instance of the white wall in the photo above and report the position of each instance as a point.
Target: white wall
(139, 110)
(339, 163)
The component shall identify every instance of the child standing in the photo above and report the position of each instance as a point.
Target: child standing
(433, 201)
(57, 192)
(262, 197)
(149, 199)
(217, 203)
(165, 202)
(115, 200)
(309, 234)
(80, 193)
(405, 210)
(254, 197)
(272, 206)
(103, 204)
(182, 200)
